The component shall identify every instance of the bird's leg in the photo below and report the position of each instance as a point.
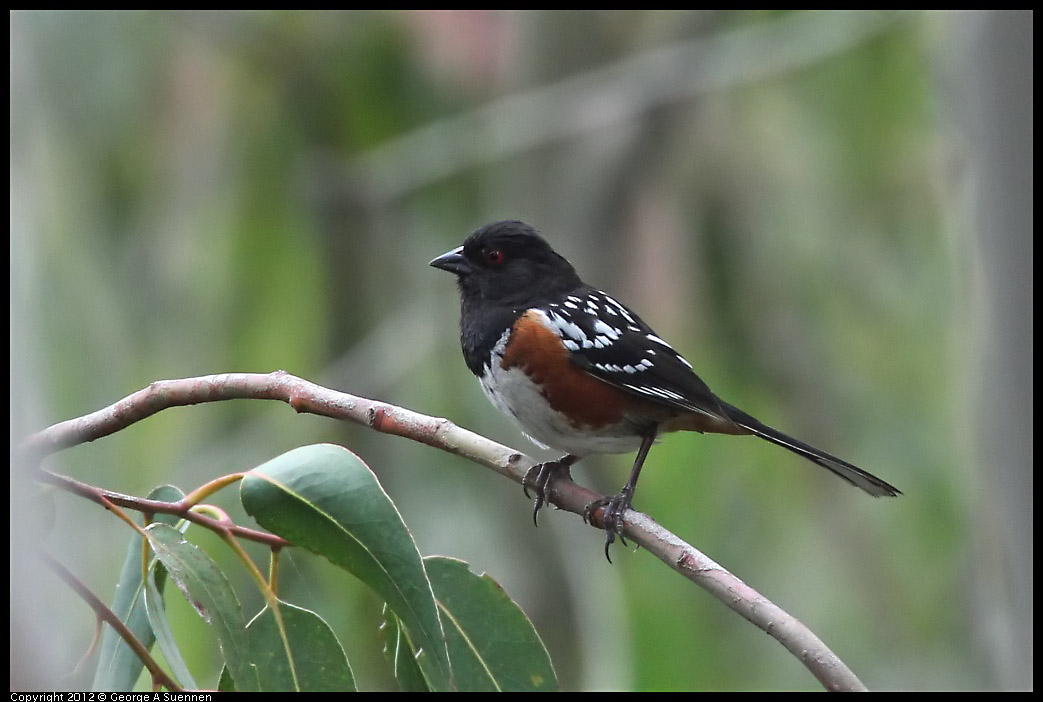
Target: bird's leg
(538, 478)
(617, 505)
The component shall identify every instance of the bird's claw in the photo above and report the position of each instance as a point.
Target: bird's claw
(611, 518)
(538, 478)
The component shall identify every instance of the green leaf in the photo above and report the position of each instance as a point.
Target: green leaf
(225, 682)
(210, 593)
(319, 660)
(118, 666)
(492, 644)
(157, 618)
(325, 499)
(400, 655)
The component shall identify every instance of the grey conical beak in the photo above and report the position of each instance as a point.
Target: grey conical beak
(453, 261)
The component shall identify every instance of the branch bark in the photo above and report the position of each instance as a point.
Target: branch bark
(308, 397)
(106, 615)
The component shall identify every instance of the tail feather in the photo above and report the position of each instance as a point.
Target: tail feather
(852, 474)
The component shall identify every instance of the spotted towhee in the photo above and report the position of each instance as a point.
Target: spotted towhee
(577, 371)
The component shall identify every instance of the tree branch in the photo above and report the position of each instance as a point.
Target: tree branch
(181, 508)
(305, 396)
(109, 617)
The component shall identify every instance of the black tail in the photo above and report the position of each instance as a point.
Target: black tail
(853, 474)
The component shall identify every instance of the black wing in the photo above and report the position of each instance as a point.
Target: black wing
(612, 343)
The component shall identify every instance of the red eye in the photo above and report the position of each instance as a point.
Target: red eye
(494, 256)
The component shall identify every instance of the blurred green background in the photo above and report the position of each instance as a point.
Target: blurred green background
(829, 214)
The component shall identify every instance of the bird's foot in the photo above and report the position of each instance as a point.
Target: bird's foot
(612, 516)
(538, 478)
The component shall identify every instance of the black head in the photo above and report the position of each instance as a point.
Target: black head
(509, 263)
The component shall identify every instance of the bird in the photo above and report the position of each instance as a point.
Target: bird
(579, 372)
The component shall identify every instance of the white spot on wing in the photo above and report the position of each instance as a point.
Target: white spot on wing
(653, 337)
(653, 391)
(622, 310)
(563, 326)
(611, 332)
